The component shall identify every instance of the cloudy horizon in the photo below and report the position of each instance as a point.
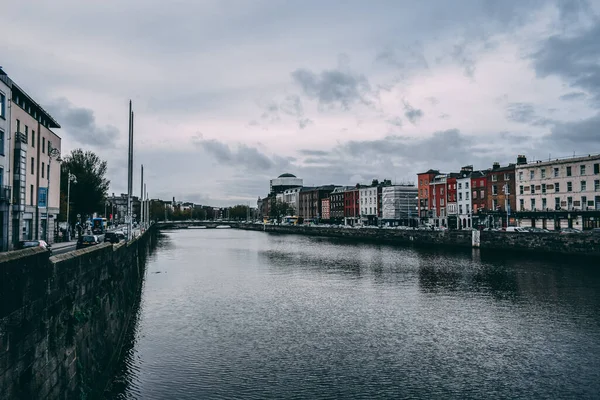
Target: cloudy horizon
(229, 94)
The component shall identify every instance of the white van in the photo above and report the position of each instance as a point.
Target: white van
(515, 229)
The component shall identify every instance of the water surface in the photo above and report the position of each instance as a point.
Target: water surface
(228, 314)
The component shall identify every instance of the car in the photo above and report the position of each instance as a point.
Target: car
(87, 241)
(26, 244)
(121, 235)
(112, 237)
(596, 230)
(515, 229)
(568, 231)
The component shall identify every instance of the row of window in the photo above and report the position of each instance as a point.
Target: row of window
(556, 187)
(556, 172)
(560, 204)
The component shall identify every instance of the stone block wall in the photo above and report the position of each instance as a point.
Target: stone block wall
(63, 318)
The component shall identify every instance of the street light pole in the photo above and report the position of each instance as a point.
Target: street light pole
(53, 152)
(70, 178)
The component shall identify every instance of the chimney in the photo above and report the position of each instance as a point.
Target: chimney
(521, 159)
(467, 168)
(496, 165)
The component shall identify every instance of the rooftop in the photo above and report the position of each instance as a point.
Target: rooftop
(287, 175)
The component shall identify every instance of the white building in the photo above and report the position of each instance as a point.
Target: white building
(559, 193)
(464, 201)
(283, 182)
(5, 157)
(369, 200)
(292, 197)
(399, 204)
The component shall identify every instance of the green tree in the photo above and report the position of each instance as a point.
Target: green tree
(280, 209)
(239, 212)
(89, 194)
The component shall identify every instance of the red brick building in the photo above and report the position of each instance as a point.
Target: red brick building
(479, 191)
(325, 209)
(352, 205)
(438, 200)
(501, 192)
(424, 178)
(310, 201)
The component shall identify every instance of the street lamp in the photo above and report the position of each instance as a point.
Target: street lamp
(53, 152)
(71, 178)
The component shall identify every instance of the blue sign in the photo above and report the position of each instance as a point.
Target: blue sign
(42, 197)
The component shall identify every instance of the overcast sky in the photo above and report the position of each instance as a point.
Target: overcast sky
(229, 94)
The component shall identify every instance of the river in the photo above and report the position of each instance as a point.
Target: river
(230, 314)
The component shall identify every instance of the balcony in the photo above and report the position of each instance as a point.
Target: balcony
(5, 193)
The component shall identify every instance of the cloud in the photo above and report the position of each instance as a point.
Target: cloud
(412, 114)
(575, 58)
(461, 55)
(525, 113)
(304, 122)
(396, 121)
(582, 133)
(80, 124)
(334, 87)
(572, 96)
(307, 152)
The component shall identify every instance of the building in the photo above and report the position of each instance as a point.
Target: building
(369, 203)
(118, 207)
(35, 154)
(5, 153)
(500, 190)
(337, 204)
(352, 205)
(464, 198)
(424, 178)
(452, 207)
(438, 200)
(283, 182)
(400, 205)
(310, 202)
(292, 198)
(560, 193)
(325, 208)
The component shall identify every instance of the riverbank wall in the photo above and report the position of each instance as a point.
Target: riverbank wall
(587, 244)
(63, 318)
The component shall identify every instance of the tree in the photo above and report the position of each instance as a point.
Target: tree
(280, 209)
(239, 212)
(89, 194)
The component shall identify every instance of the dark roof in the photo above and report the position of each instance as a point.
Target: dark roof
(454, 175)
(478, 174)
(431, 171)
(509, 167)
(286, 175)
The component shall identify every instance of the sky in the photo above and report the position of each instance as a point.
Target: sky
(229, 94)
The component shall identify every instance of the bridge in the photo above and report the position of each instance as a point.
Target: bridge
(196, 224)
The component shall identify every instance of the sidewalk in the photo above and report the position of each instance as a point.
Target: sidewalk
(62, 245)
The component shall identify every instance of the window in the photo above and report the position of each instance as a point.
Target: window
(506, 177)
(569, 203)
(31, 195)
(583, 186)
(494, 204)
(556, 187)
(1, 143)
(569, 187)
(543, 172)
(544, 189)
(474, 194)
(2, 106)
(568, 171)
(43, 169)
(460, 209)
(582, 170)
(26, 134)
(557, 203)
(494, 190)
(48, 171)
(441, 202)
(597, 185)
(532, 204)
(544, 205)
(18, 126)
(521, 189)
(521, 204)
(466, 195)
(494, 178)
(466, 185)
(556, 172)
(460, 185)
(32, 165)
(520, 175)
(442, 191)
(459, 196)
(532, 188)
(583, 202)
(596, 168)
(32, 138)
(481, 195)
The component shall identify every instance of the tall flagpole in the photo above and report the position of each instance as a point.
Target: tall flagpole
(130, 175)
(142, 215)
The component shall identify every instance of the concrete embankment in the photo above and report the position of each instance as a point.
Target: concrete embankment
(583, 244)
(63, 318)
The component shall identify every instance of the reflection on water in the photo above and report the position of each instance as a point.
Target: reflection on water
(235, 314)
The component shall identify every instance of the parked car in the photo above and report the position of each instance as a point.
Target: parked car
(567, 231)
(120, 234)
(537, 230)
(515, 229)
(112, 237)
(87, 241)
(596, 230)
(25, 244)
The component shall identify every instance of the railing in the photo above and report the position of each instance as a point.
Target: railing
(5, 193)
(21, 137)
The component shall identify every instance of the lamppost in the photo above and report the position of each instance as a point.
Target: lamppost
(71, 178)
(53, 152)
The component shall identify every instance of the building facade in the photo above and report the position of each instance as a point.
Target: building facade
(283, 182)
(501, 199)
(325, 208)
(400, 205)
(464, 197)
(438, 200)
(561, 193)
(292, 198)
(352, 206)
(337, 204)
(423, 187)
(310, 202)
(5, 157)
(452, 206)
(369, 204)
(35, 151)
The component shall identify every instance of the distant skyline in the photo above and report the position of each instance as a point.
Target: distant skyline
(229, 94)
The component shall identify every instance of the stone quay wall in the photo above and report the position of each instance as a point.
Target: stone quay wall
(582, 244)
(63, 318)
